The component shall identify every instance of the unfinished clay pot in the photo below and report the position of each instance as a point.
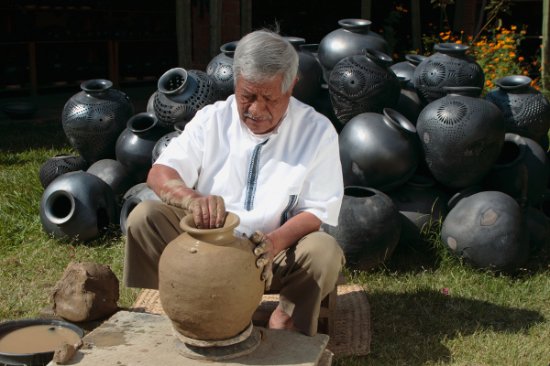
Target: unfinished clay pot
(208, 281)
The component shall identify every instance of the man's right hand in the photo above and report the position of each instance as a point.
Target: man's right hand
(208, 211)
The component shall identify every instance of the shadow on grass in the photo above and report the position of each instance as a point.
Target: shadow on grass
(409, 328)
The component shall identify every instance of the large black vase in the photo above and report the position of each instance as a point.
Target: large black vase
(378, 150)
(368, 227)
(59, 165)
(220, 70)
(93, 118)
(134, 146)
(405, 69)
(487, 230)
(180, 94)
(448, 66)
(162, 144)
(353, 36)
(363, 83)
(114, 173)
(78, 205)
(461, 137)
(409, 103)
(526, 111)
(310, 73)
(522, 170)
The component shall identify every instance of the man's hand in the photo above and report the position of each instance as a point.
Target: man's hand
(208, 211)
(264, 251)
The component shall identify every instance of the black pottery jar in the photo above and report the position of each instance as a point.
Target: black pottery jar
(378, 150)
(134, 146)
(526, 111)
(78, 205)
(180, 94)
(162, 144)
(363, 83)
(487, 230)
(220, 70)
(409, 103)
(522, 170)
(368, 228)
(310, 73)
(461, 137)
(59, 165)
(93, 118)
(114, 173)
(405, 69)
(448, 66)
(353, 36)
(133, 196)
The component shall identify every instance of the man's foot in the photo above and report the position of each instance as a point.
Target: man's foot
(281, 320)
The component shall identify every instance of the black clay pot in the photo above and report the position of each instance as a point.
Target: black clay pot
(448, 66)
(421, 201)
(363, 83)
(487, 230)
(114, 173)
(162, 144)
(351, 39)
(461, 137)
(78, 205)
(93, 118)
(526, 111)
(220, 70)
(378, 150)
(132, 197)
(59, 165)
(368, 227)
(405, 69)
(134, 147)
(180, 94)
(310, 73)
(521, 171)
(409, 103)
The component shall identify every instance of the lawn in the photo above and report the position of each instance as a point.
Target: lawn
(425, 311)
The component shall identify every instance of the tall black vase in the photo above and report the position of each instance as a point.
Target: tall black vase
(93, 118)
(220, 70)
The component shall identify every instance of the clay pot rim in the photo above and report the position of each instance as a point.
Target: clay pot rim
(379, 57)
(142, 122)
(519, 142)
(187, 224)
(164, 79)
(396, 120)
(50, 209)
(229, 48)
(96, 85)
(296, 41)
(356, 25)
(463, 90)
(310, 47)
(414, 58)
(514, 82)
(451, 48)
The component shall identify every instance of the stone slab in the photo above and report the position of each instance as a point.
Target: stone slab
(132, 338)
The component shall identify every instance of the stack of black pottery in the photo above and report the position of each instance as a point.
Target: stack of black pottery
(419, 147)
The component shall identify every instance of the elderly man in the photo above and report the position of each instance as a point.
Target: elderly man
(268, 158)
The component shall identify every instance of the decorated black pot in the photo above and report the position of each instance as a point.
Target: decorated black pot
(461, 137)
(363, 83)
(353, 36)
(368, 227)
(162, 144)
(526, 111)
(220, 70)
(378, 150)
(134, 146)
(522, 170)
(78, 205)
(487, 230)
(59, 165)
(180, 94)
(93, 118)
(448, 66)
(114, 173)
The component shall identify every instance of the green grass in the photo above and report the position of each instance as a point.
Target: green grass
(484, 319)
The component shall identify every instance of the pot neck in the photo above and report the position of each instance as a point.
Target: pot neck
(142, 122)
(96, 86)
(452, 49)
(355, 25)
(398, 121)
(219, 236)
(229, 48)
(514, 83)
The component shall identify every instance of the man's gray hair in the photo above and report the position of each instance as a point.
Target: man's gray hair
(262, 55)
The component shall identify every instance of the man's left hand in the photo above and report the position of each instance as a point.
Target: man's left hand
(264, 251)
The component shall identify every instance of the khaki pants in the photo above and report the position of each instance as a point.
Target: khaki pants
(303, 274)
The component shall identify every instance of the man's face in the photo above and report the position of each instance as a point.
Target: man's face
(261, 105)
